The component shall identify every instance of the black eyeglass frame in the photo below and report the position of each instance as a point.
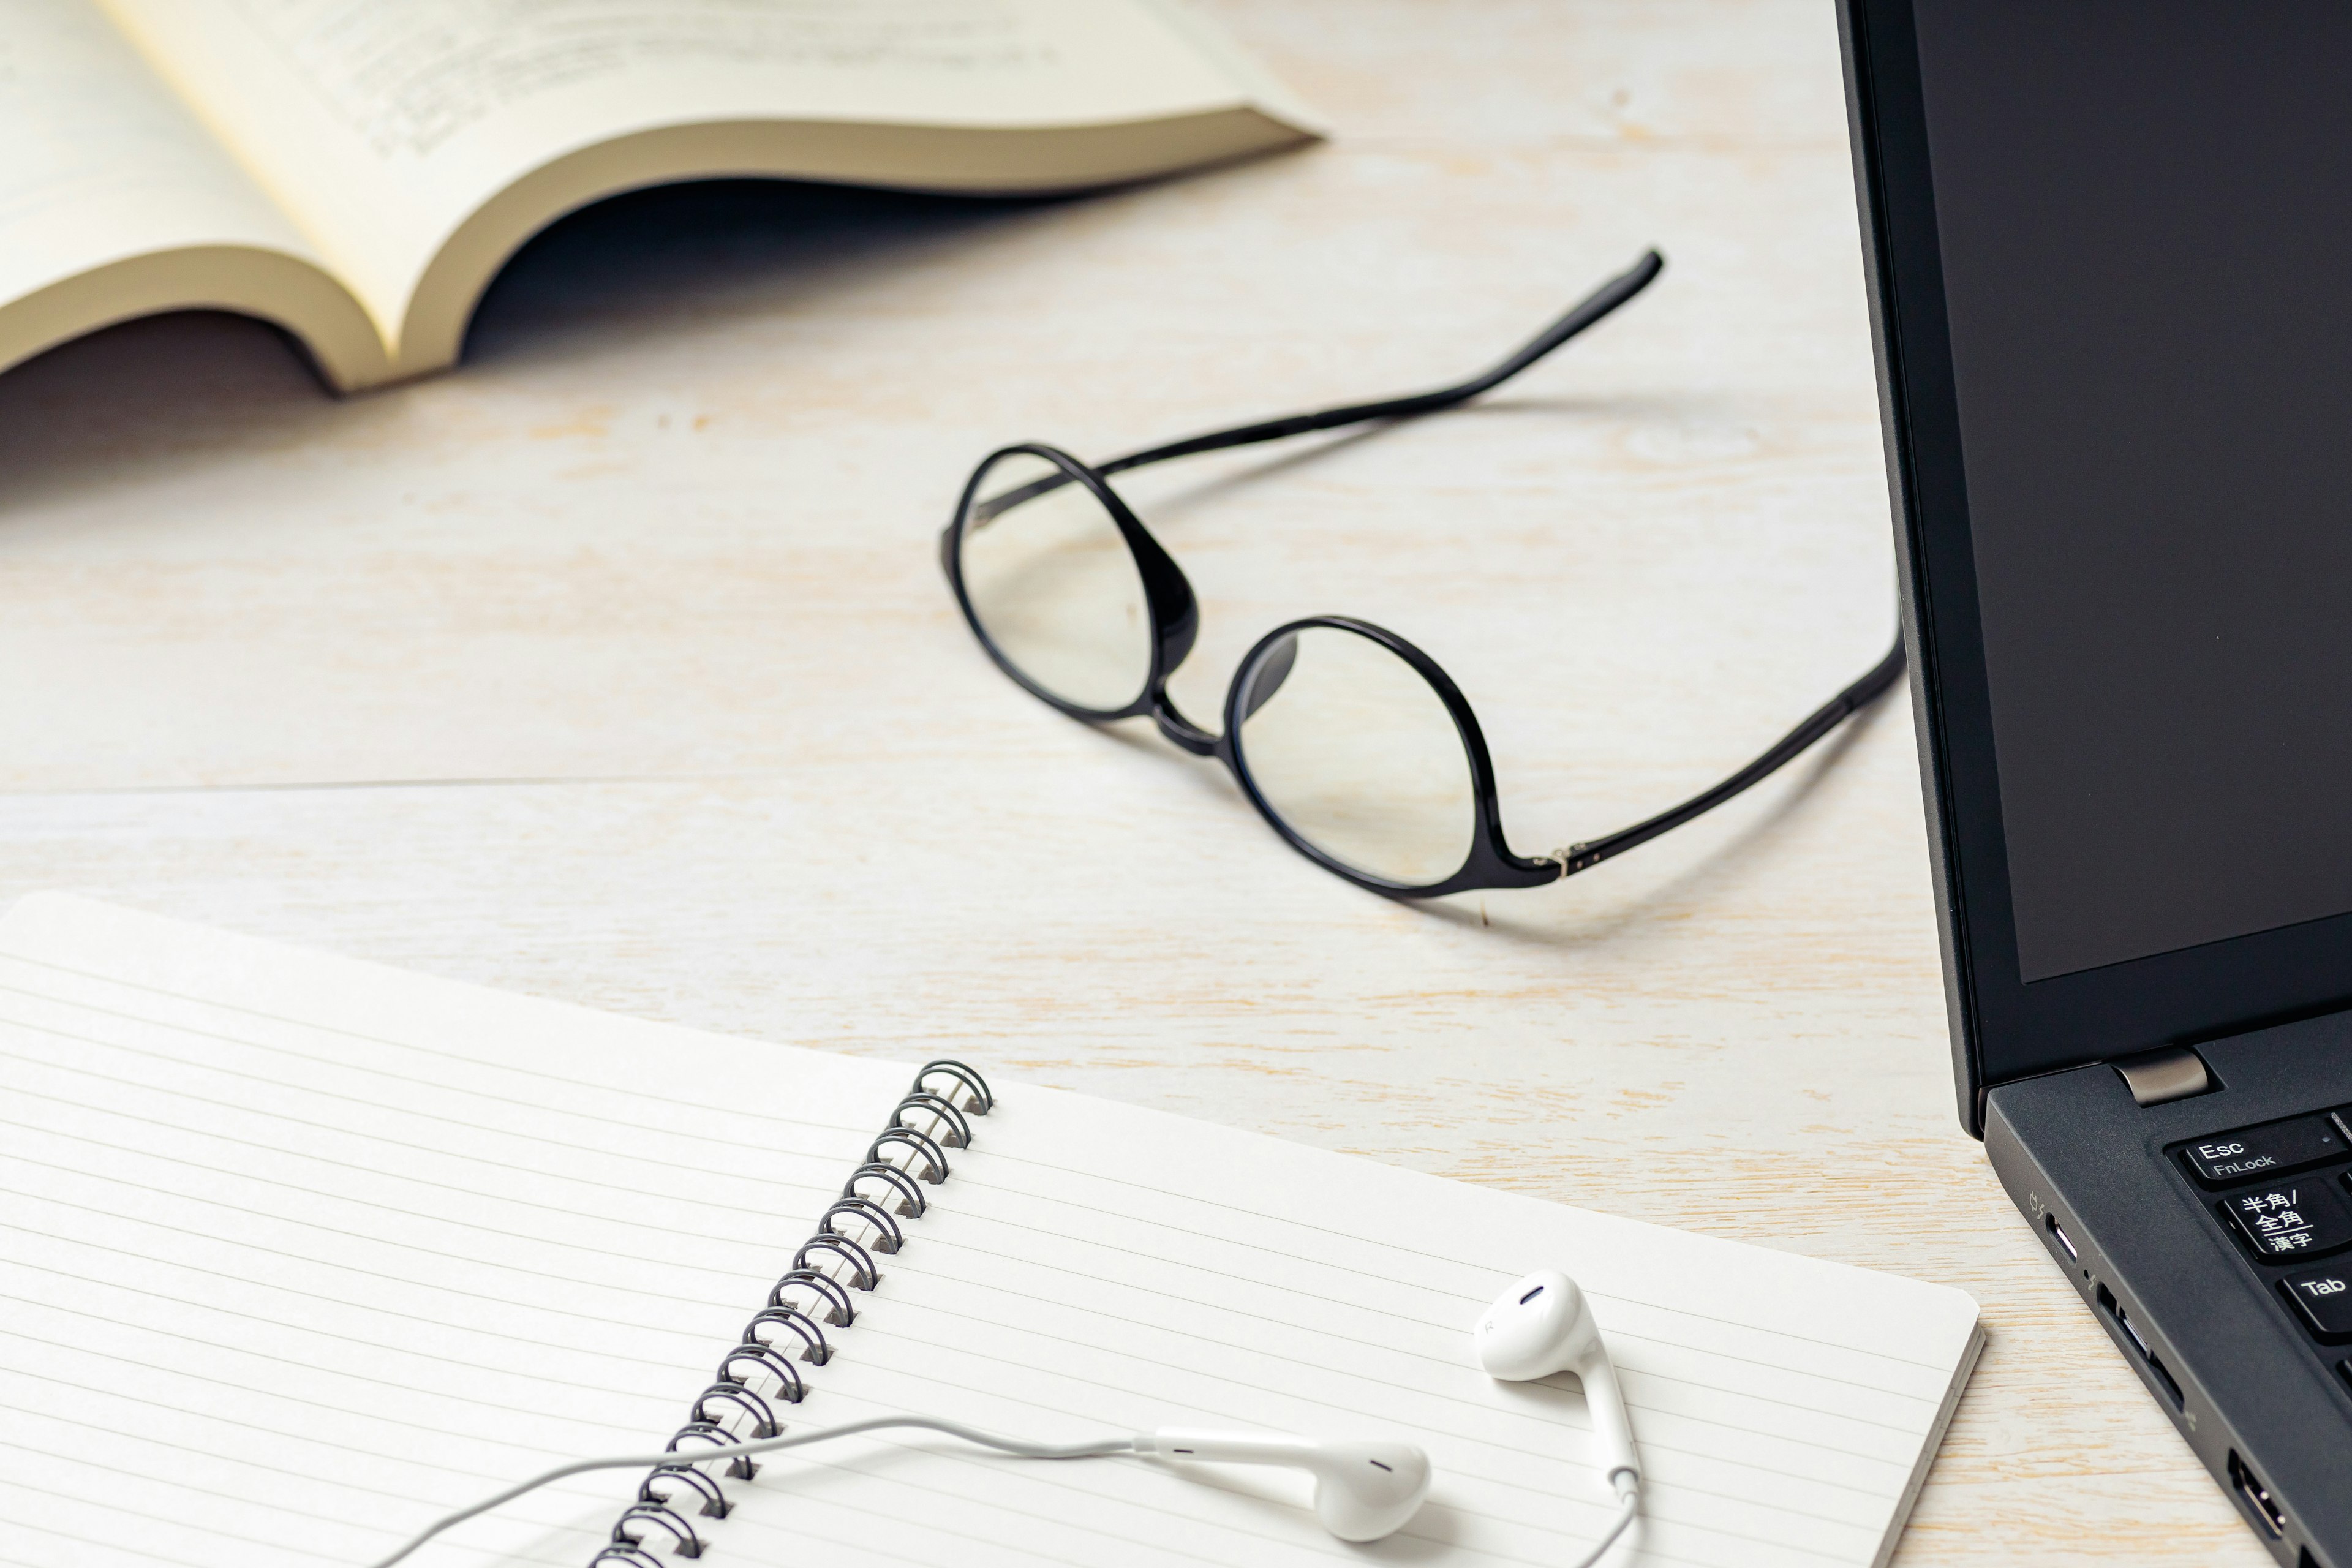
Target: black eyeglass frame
(1174, 609)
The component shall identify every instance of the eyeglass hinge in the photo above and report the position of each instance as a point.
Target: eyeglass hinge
(1574, 858)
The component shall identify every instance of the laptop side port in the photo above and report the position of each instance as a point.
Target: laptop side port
(2258, 1499)
(2058, 1234)
(2157, 1369)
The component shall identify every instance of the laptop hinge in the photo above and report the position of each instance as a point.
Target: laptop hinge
(2171, 1072)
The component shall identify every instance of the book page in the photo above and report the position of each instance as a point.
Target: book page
(103, 162)
(385, 125)
(1094, 1268)
(297, 1253)
(103, 168)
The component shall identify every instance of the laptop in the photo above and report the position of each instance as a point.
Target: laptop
(2110, 255)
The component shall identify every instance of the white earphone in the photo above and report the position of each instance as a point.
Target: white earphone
(1363, 1490)
(1542, 1326)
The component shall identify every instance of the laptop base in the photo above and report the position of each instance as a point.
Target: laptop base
(2181, 1225)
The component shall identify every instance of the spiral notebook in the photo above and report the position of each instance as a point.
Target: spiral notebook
(297, 1253)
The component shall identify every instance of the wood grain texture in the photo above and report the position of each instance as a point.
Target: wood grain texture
(616, 667)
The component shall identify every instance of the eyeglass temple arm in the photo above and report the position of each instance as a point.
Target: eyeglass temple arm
(1591, 308)
(1584, 856)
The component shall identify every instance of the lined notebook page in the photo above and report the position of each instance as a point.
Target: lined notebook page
(1091, 1266)
(297, 1254)
(440, 1237)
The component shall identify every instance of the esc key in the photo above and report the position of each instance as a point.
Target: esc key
(2274, 1147)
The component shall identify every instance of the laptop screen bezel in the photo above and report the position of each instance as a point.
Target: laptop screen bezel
(2003, 1027)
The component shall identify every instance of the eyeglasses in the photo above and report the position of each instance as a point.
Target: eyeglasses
(1350, 741)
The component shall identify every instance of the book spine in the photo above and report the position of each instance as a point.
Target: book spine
(818, 1292)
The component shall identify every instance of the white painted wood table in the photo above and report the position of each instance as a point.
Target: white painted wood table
(617, 666)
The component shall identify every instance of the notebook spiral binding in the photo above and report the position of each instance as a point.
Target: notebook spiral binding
(812, 1296)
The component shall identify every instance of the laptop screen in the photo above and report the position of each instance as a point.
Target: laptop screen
(2147, 271)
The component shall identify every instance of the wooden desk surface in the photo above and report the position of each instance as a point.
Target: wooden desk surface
(617, 666)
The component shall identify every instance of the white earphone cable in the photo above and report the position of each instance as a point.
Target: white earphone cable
(1122, 1444)
(1633, 1499)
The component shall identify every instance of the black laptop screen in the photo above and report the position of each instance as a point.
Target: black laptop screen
(2146, 217)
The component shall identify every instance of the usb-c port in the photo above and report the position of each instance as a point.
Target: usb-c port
(2259, 1501)
(2058, 1234)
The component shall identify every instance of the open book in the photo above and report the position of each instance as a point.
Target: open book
(357, 170)
(297, 1254)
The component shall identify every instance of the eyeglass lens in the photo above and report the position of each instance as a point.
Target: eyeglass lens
(1053, 585)
(1356, 752)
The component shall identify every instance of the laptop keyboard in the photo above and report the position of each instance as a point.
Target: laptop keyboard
(2284, 1192)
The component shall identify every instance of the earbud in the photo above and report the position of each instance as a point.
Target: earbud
(1542, 1325)
(1363, 1491)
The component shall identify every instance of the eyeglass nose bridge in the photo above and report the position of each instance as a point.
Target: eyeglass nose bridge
(1265, 672)
(1182, 733)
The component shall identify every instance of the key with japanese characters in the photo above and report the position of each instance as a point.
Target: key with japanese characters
(2292, 1219)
